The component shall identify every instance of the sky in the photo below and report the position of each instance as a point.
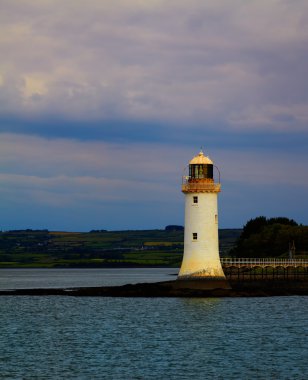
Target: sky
(103, 104)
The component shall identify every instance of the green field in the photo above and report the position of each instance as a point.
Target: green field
(42, 248)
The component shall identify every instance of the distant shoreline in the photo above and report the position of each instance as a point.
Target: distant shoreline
(93, 266)
(99, 249)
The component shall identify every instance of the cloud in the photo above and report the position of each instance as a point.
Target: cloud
(239, 64)
(263, 169)
(44, 157)
(101, 181)
(103, 103)
(59, 171)
(69, 184)
(142, 163)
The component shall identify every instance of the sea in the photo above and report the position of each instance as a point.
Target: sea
(56, 337)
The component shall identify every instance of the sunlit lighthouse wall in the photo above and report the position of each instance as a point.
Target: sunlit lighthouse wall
(201, 248)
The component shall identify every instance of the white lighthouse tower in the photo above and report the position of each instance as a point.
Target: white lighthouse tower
(201, 251)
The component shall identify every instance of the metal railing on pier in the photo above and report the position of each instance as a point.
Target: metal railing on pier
(263, 262)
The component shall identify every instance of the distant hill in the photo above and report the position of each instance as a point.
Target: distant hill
(100, 248)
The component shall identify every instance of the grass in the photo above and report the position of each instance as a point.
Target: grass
(106, 248)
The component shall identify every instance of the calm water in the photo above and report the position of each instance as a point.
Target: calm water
(58, 278)
(157, 338)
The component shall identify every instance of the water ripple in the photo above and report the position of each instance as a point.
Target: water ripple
(158, 338)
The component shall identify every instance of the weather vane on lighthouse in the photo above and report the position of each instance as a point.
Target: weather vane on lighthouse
(201, 260)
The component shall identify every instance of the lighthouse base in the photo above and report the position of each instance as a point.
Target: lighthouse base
(202, 283)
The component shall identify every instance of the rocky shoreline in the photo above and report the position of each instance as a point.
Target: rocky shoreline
(175, 288)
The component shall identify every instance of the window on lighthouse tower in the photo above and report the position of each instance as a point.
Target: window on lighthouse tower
(195, 236)
(195, 199)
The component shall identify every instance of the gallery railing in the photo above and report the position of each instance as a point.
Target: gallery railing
(199, 186)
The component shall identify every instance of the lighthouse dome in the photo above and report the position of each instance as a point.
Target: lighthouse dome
(201, 159)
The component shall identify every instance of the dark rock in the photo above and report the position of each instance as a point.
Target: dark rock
(175, 289)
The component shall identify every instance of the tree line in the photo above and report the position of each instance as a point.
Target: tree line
(272, 237)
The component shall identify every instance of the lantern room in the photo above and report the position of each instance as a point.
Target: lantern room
(201, 167)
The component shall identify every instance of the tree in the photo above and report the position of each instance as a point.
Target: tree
(253, 226)
(173, 227)
(263, 237)
(282, 220)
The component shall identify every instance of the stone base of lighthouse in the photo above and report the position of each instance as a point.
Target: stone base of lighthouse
(211, 278)
(201, 274)
(204, 283)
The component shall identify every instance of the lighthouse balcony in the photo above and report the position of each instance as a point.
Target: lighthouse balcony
(199, 186)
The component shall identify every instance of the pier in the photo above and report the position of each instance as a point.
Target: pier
(265, 268)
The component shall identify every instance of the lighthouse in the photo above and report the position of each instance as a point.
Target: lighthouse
(201, 262)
